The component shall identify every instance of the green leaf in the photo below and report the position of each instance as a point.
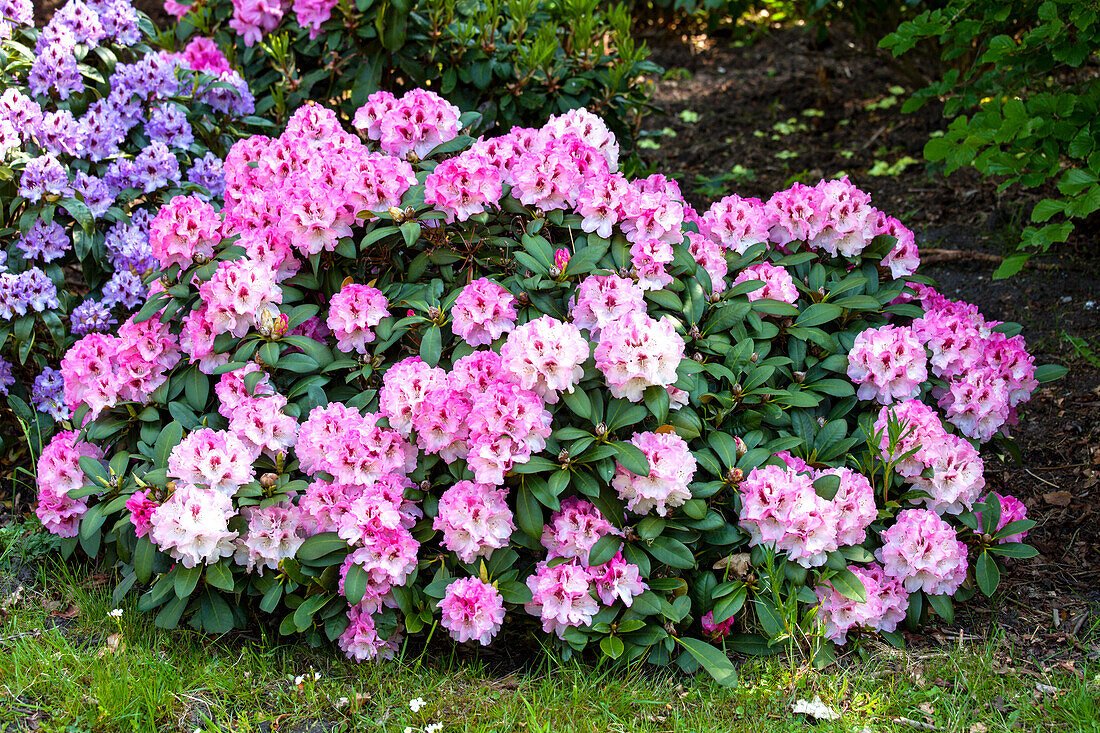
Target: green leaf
(1017, 550)
(431, 346)
(355, 584)
(849, 585)
(1050, 372)
(215, 613)
(186, 579)
(303, 615)
(144, 554)
(605, 548)
(671, 552)
(943, 606)
(987, 573)
(712, 659)
(528, 513)
(817, 314)
(612, 646)
(168, 439)
(220, 576)
(320, 545)
(631, 458)
(657, 400)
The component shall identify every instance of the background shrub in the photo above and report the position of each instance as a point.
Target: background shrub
(517, 62)
(1022, 95)
(98, 129)
(439, 383)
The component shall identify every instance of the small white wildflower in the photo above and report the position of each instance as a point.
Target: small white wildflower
(408, 729)
(433, 728)
(298, 679)
(115, 613)
(416, 703)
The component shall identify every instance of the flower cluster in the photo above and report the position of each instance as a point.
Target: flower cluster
(475, 520)
(58, 473)
(883, 610)
(99, 131)
(922, 552)
(780, 506)
(671, 468)
(100, 371)
(945, 466)
(472, 609)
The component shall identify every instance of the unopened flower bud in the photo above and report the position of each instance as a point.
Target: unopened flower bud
(170, 486)
(563, 456)
(200, 258)
(754, 358)
(396, 214)
(561, 259)
(555, 271)
(693, 332)
(268, 480)
(434, 313)
(697, 357)
(742, 449)
(735, 476)
(601, 429)
(425, 485)
(799, 377)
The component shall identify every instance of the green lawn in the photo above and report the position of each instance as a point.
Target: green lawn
(93, 672)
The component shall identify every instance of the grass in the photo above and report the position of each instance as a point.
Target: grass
(66, 665)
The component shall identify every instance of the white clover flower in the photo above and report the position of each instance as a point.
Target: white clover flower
(416, 703)
(433, 728)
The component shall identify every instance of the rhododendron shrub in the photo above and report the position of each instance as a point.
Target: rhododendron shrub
(393, 395)
(517, 63)
(97, 131)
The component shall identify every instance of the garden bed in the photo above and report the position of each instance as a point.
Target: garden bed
(736, 89)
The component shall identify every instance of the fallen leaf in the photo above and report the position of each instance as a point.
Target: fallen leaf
(71, 611)
(978, 728)
(1058, 498)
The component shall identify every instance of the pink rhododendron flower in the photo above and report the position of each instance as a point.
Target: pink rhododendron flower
(604, 299)
(888, 363)
(671, 468)
(475, 520)
(59, 472)
(562, 597)
(636, 351)
(575, 529)
(483, 312)
(546, 356)
(885, 607)
(463, 186)
(186, 228)
(922, 552)
(360, 640)
(141, 509)
(312, 14)
(217, 460)
(352, 313)
(193, 526)
(778, 283)
(472, 610)
(618, 579)
(274, 534)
